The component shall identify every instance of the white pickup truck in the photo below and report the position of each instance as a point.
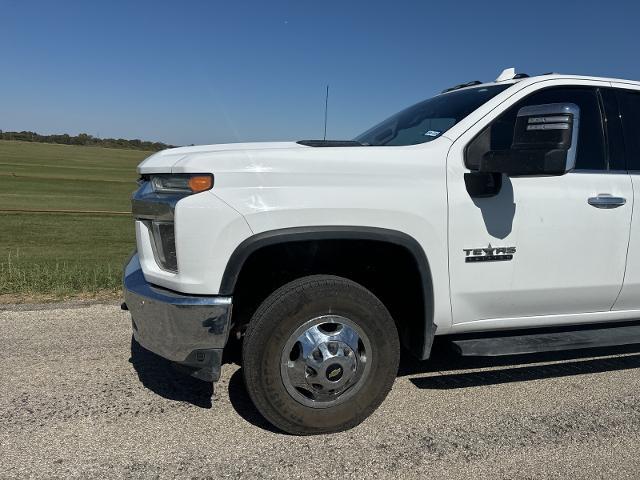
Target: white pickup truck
(500, 215)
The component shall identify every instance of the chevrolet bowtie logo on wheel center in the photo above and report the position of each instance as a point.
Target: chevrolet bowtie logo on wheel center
(334, 373)
(489, 254)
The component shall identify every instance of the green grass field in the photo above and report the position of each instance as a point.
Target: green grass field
(60, 255)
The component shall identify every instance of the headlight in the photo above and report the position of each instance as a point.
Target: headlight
(181, 183)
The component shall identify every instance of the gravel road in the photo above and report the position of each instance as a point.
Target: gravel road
(78, 400)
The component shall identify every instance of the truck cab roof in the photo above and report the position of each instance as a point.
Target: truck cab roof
(506, 78)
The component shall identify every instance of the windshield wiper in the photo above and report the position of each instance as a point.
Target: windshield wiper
(330, 143)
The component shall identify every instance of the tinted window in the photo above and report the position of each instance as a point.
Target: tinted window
(591, 146)
(630, 109)
(428, 120)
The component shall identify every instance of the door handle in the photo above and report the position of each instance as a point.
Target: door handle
(605, 200)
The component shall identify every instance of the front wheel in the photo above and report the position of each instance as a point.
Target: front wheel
(320, 355)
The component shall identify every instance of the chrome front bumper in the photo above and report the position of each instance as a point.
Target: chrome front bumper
(187, 329)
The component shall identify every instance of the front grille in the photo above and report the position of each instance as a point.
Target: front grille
(164, 245)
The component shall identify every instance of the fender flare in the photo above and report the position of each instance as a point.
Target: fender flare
(300, 234)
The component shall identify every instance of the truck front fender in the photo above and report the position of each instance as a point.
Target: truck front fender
(420, 341)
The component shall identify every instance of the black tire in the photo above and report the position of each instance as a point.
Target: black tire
(280, 315)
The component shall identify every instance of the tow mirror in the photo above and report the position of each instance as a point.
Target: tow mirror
(545, 142)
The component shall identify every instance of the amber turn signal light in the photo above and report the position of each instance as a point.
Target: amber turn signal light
(200, 183)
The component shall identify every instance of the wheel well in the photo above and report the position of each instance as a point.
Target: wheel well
(389, 270)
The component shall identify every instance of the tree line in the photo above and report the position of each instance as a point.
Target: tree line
(84, 139)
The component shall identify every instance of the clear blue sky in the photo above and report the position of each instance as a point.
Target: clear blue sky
(218, 71)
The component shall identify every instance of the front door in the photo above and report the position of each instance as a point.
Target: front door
(541, 246)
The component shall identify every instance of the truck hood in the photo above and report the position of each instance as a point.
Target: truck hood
(262, 165)
(165, 160)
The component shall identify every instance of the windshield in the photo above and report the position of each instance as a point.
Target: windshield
(426, 121)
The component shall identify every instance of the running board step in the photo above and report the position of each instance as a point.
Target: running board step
(547, 342)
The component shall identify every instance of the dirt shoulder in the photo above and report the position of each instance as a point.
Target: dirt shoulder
(40, 301)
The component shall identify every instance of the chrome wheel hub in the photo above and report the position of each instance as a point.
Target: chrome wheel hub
(325, 361)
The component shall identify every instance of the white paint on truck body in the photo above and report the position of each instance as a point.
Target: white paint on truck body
(571, 258)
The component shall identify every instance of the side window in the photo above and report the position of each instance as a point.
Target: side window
(630, 110)
(591, 145)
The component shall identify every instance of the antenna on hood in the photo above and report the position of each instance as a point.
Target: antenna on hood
(326, 106)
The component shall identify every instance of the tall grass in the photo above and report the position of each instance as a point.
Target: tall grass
(19, 275)
(58, 254)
